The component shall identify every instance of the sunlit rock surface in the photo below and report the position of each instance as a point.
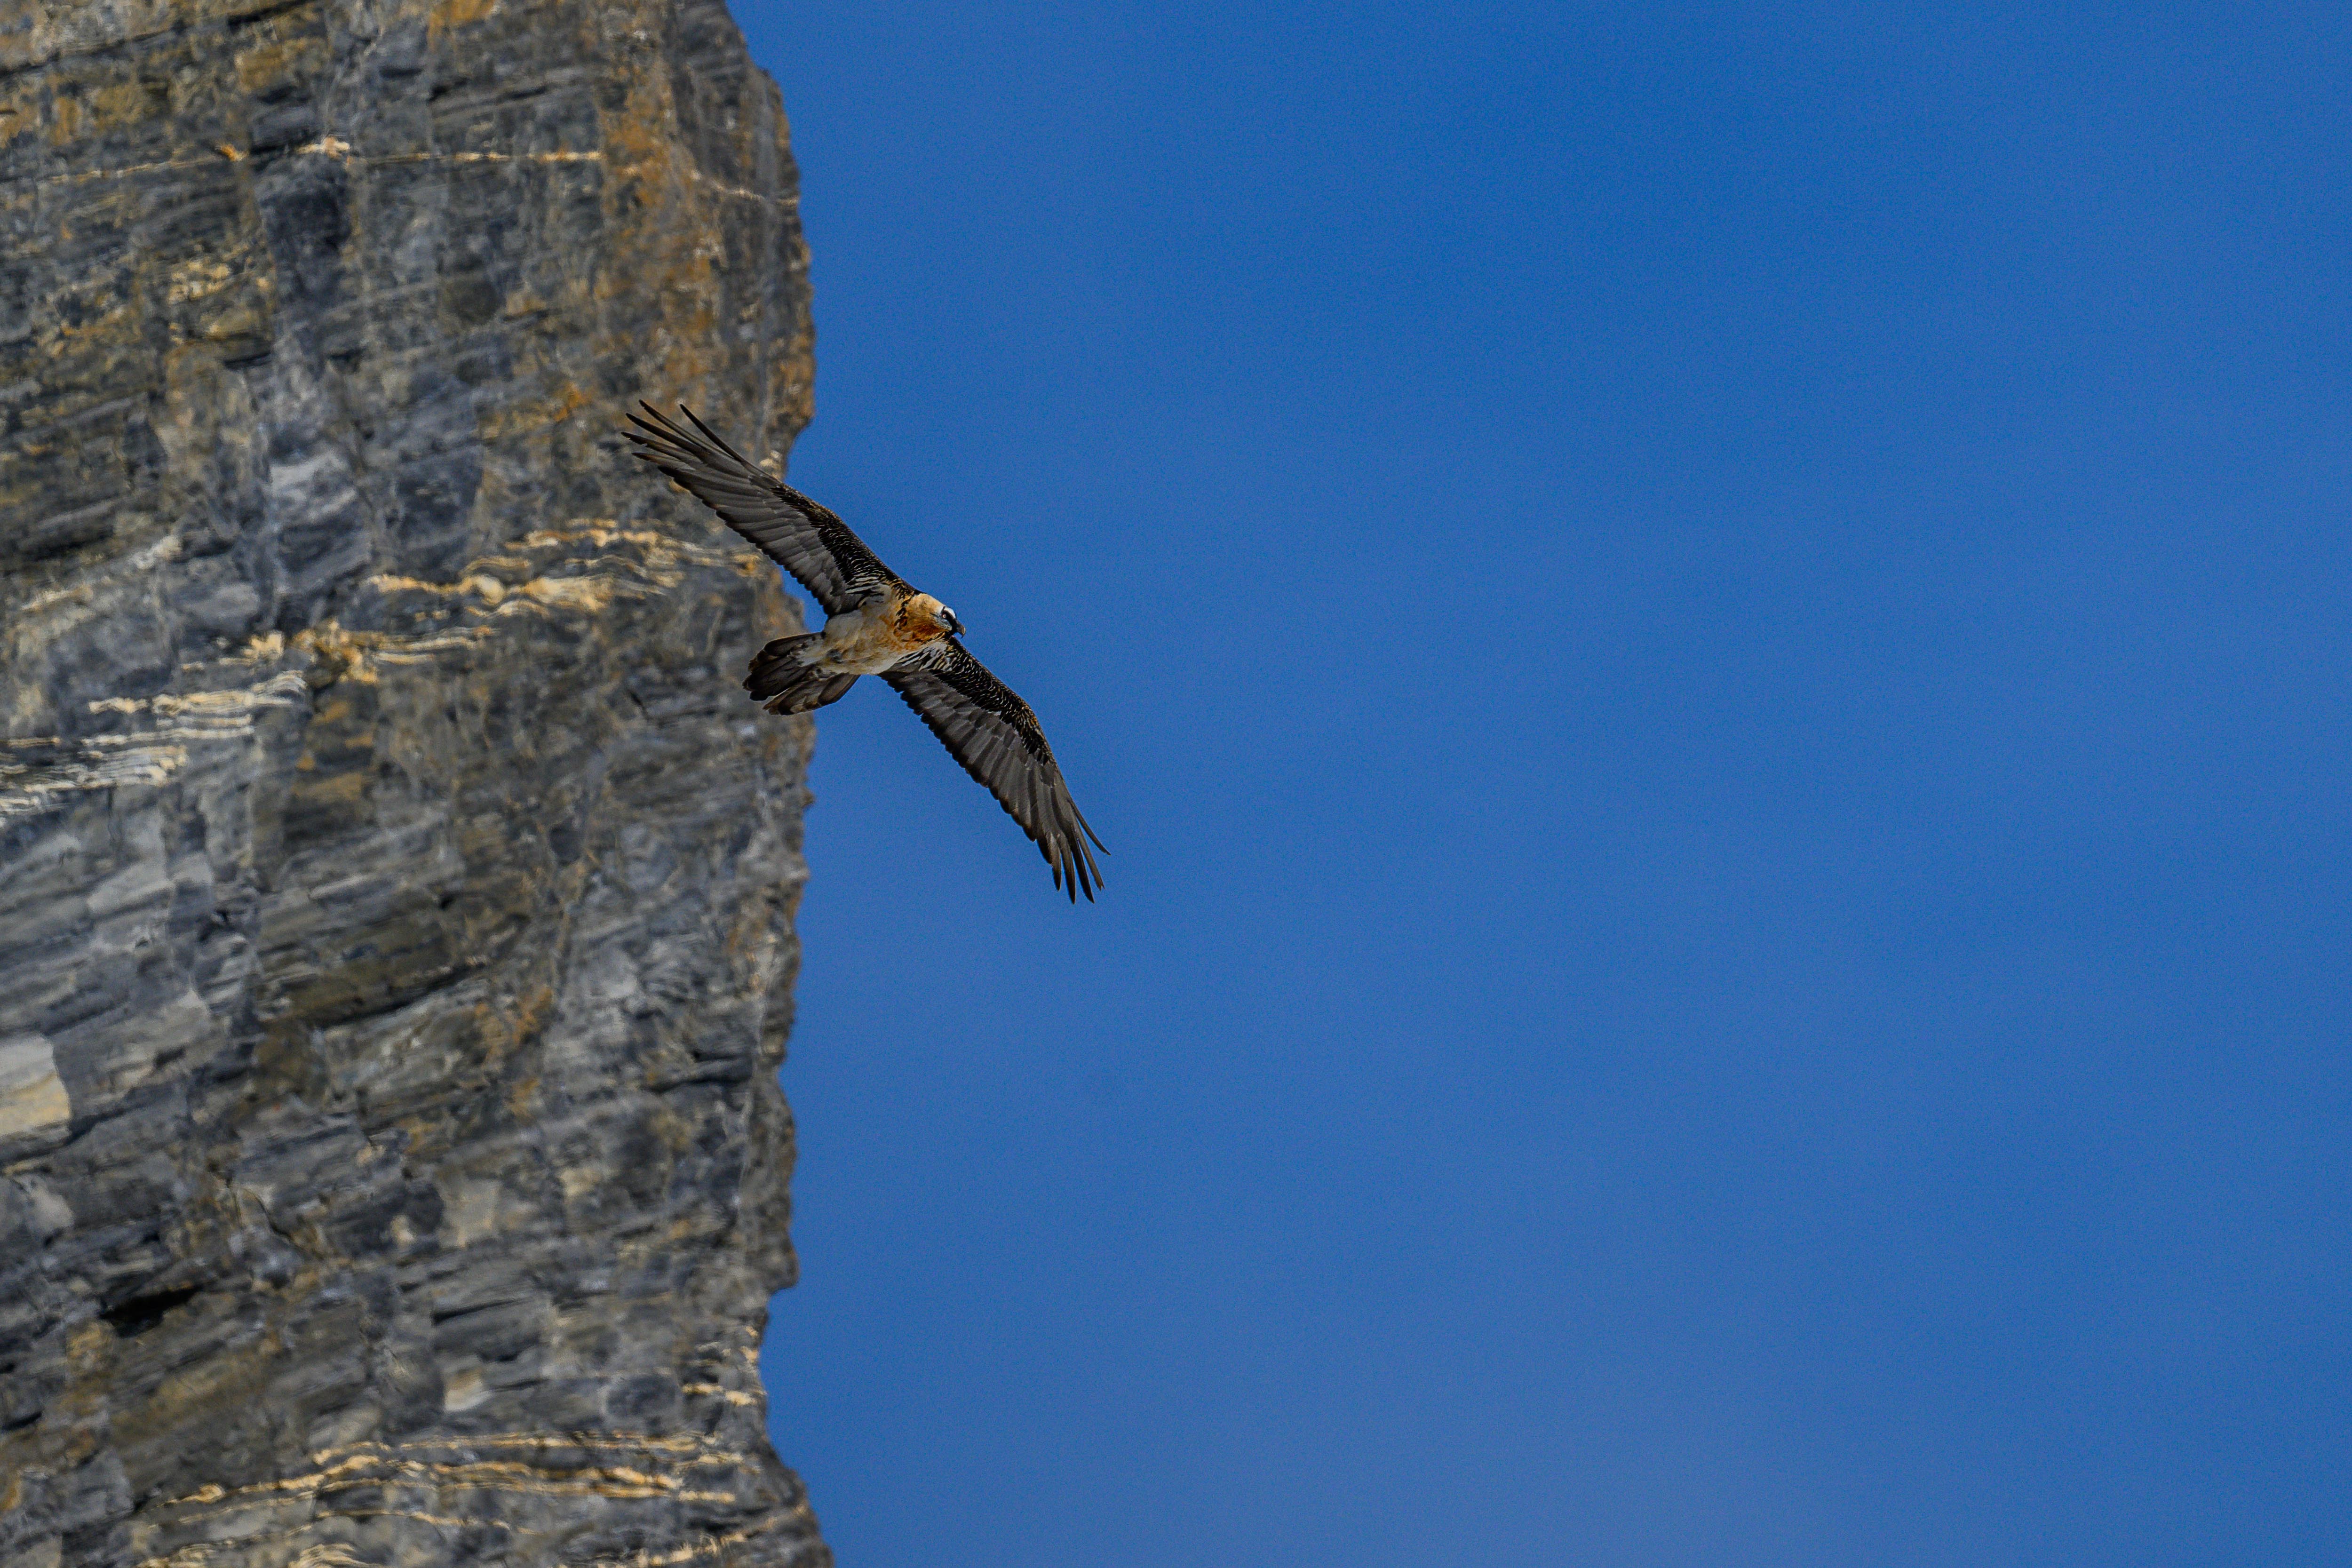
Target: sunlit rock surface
(395, 888)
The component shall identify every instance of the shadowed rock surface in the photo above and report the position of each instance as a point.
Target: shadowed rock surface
(395, 888)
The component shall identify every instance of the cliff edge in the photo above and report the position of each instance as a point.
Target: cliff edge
(396, 889)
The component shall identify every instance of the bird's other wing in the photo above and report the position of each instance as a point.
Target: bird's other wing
(817, 547)
(995, 736)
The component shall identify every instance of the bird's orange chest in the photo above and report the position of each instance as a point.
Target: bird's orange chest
(905, 629)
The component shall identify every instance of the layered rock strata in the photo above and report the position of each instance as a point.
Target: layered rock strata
(396, 889)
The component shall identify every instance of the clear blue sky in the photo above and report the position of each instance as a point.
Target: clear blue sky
(1711, 642)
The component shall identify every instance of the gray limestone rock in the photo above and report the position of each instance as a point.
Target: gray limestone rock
(395, 888)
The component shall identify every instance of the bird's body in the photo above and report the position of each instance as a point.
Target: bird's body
(878, 625)
(879, 635)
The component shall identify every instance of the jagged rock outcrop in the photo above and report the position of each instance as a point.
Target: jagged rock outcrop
(396, 889)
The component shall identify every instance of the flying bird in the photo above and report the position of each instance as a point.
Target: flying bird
(876, 625)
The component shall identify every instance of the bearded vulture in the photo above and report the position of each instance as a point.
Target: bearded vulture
(876, 625)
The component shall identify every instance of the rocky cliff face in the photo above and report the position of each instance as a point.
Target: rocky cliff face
(396, 889)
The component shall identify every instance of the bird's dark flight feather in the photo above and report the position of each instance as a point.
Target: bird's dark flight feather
(817, 547)
(997, 739)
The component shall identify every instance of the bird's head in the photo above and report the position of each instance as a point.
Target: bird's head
(941, 618)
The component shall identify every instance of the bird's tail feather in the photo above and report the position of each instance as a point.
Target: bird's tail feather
(786, 685)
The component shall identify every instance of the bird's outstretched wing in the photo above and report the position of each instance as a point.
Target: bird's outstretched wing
(996, 738)
(817, 547)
